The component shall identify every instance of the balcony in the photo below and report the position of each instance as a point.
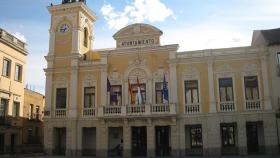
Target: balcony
(253, 105)
(60, 113)
(193, 108)
(227, 106)
(89, 112)
(136, 110)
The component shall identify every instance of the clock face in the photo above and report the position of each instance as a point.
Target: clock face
(64, 28)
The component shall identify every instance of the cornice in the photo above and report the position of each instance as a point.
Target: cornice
(72, 6)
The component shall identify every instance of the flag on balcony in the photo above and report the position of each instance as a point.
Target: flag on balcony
(139, 96)
(165, 90)
(108, 85)
(130, 92)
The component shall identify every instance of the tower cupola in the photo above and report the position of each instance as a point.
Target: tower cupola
(72, 1)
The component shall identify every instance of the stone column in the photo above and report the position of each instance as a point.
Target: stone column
(212, 103)
(48, 138)
(270, 133)
(102, 141)
(182, 140)
(103, 86)
(51, 42)
(48, 92)
(71, 138)
(173, 83)
(126, 140)
(211, 133)
(150, 91)
(242, 137)
(72, 111)
(175, 141)
(150, 141)
(267, 97)
(76, 40)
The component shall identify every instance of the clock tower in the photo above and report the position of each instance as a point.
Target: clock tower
(71, 36)
(71, 30)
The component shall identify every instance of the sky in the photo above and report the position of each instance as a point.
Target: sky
(193, 24)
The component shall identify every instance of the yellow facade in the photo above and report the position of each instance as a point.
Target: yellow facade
(11, 90)
(82, 120)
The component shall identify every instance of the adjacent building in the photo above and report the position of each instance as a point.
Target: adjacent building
(33, 121)
(12, 66)
(142, 98)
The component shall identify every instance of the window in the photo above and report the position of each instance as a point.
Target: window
(89, 97)
(61, 96)
(18, 72)
(3, 107)
(251, 87)
(135, 91)
(196, 136)
(159, 92)
(226, 89)
(191, 92)
(85, 37)
(16, 109)
(30, 112)
(37, 112)
(228, 134)
(6, 67)
(116, 95)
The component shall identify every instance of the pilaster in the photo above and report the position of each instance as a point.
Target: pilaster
(48, 93)
(267, 97)
(73, 93)
(102, 141)
(212, 103)
(173, 83)
(76, 38)
(126, 140)
(150, 140)
(175, 137)
(103, 85)
(51, 42)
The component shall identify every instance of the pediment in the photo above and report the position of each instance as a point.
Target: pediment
(138, 35)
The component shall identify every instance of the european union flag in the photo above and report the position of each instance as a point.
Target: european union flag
(165, 90)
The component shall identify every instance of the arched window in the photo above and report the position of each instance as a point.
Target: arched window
(85, 37)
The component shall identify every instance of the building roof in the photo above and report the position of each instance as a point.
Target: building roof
(12, 41)
(266, 37)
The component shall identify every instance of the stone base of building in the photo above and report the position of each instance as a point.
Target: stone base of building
(128, 137)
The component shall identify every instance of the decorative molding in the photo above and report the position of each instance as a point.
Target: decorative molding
(250, 70)
(89, 80)
(190, 72)
(61, 81)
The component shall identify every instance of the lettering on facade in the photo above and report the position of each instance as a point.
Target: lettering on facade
(138, 42)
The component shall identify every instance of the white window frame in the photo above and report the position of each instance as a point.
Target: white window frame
(189, 75)
(247, 74)
(89, 83)
(157, 80)
(221, 76)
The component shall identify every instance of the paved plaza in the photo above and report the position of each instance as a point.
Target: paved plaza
(237, 156)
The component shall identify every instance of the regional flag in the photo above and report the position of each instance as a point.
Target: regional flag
(108, 85)
(130, 92)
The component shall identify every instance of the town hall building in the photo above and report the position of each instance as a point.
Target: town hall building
(142, 98)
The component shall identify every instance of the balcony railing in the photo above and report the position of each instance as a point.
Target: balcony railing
(193, 108)
(136, 110)
(89, 112)
(227, 106)
(252, 105)
(60, 113)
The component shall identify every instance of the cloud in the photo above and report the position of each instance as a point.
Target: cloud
(137, 11)
(204, 36)
(20, 36)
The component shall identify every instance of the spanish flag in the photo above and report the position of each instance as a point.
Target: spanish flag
(130, 92)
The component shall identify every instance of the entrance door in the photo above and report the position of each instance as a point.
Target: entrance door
(13, 137)
(2, 143)
(89, 141)
(139, 141)
(60, 141)
(162, 141)
(252, 137)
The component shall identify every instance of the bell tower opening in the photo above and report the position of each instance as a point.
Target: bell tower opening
(72, 1)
